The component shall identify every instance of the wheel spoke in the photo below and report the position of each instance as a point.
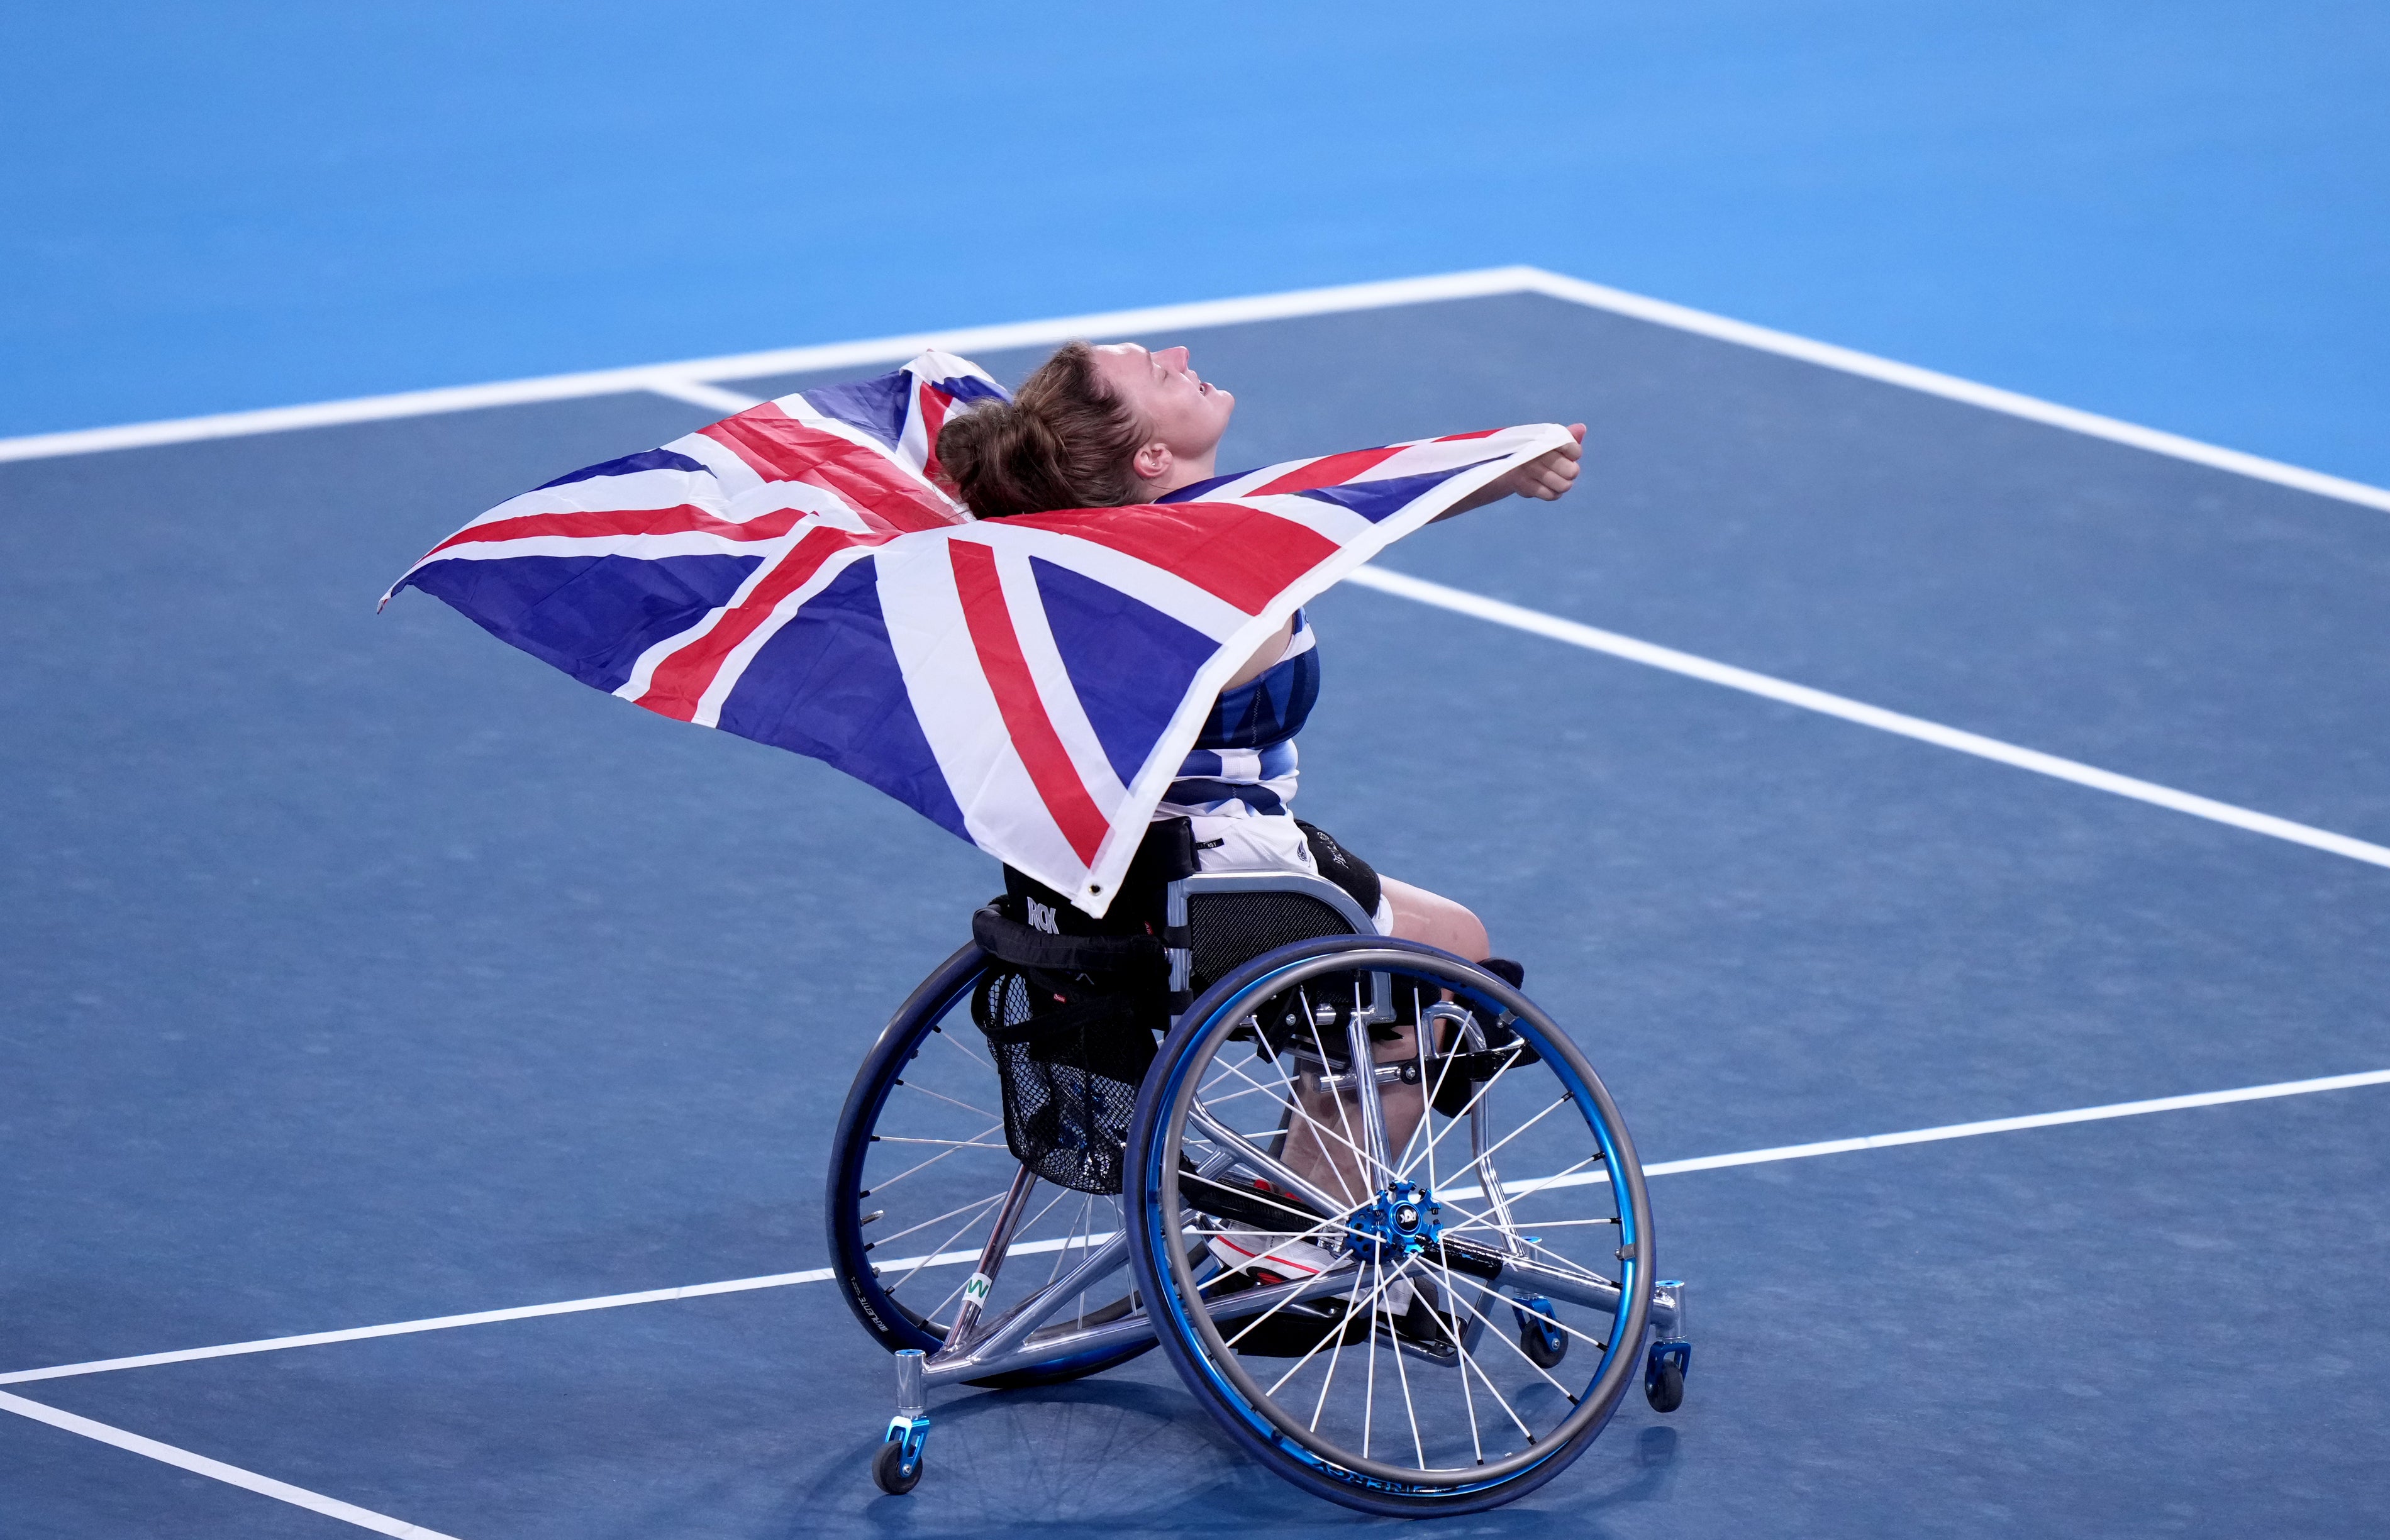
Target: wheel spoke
(1401, 1371)
(954, 1144)
(1370, 1396)
(1294, 1105)
(942, 1033)
(1472, 1106)
(1555, 1259)
(933, 1219)
(943, 1097)
(882, 1185)
(1484, 1159)
(947, 1244)
(1339, 1336)
(1522, 1352)
(1312, 1025)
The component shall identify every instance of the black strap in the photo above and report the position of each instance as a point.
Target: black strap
(1026, 946)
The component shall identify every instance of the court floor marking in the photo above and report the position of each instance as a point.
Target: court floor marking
(686, 380)
(819, 1274)
(233, 1475)
(1577, 633)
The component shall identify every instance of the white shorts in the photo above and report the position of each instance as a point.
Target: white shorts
(1237, 839)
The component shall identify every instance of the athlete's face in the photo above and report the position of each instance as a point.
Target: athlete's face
(1181, 411)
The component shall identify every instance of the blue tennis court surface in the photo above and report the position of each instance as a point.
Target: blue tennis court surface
(363, 970)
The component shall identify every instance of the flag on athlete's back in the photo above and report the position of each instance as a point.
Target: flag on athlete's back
(795, 575)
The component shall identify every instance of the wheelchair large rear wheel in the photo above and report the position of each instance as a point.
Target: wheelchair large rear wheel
(918, 1172)
(1477, 1246)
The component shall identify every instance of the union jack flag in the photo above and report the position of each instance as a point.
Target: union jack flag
(795, 575)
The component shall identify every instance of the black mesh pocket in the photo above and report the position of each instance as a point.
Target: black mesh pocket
(1071, 1059)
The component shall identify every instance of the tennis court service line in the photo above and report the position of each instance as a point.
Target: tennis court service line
(1576, 634)
(819, 1274)
(231, 1475)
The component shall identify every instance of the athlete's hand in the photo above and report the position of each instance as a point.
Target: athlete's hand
(1545, 477)
(1551, 475)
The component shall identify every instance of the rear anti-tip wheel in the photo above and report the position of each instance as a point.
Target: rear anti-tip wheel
(1663, 1375)
(1540, 1337)
(889, 1471)
(1335, 1261)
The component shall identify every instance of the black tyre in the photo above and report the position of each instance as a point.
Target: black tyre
(1387, 1259)
(888, 1469)
(1544, 1347)
(918, 1168)
(1665, 1388)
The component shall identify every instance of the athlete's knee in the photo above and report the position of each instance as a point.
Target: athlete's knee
(1427, 917)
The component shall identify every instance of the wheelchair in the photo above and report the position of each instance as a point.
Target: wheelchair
(1370, 1202)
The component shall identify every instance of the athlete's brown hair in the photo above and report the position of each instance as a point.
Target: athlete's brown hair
(1064, 440)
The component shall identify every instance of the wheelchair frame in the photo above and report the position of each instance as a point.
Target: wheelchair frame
(977, 1348)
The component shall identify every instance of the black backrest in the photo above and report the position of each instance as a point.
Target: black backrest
(1232, 928)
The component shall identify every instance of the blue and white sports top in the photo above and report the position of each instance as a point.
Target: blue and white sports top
(1243, 763)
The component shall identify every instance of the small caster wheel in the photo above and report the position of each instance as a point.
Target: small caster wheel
(1543, 1341)
(1663, 1375)
(1544, 1346)
(889, 1470)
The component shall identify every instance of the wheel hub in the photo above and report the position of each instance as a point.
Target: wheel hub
(1403, 1220)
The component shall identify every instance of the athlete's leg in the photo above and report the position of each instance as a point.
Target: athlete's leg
(1325, 1157)
(1435, 919)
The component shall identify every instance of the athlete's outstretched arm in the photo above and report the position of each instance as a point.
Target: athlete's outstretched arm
(1545, 477)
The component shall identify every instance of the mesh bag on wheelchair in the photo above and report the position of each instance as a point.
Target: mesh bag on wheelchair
(1070, 1023)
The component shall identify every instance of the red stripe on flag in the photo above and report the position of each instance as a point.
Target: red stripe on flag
(935, 403)
(1328, 472)
(682, 519)
(781, 448)
(1034, 738)
(1241, 555)
(681, 680)
(1457, 438)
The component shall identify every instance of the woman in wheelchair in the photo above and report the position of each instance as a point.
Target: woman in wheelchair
(1119, 425)
(1364, 1194)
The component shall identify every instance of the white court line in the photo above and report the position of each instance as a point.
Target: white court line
(677, 379)
(1951, 387)
(956, 1259)
(199, 1465)
(673, 379)
(1576, 634)
(698, 393)
(432, 1323)
(1957, 1131)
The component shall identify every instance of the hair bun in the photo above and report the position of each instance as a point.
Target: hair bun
(1064, 442)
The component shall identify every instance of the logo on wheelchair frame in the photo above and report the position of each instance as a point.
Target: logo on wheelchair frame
(975, 1291)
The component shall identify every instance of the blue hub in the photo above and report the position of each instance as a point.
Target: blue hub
(1402, 1221)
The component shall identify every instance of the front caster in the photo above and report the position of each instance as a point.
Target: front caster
(896, 1474)
(897, 1466)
